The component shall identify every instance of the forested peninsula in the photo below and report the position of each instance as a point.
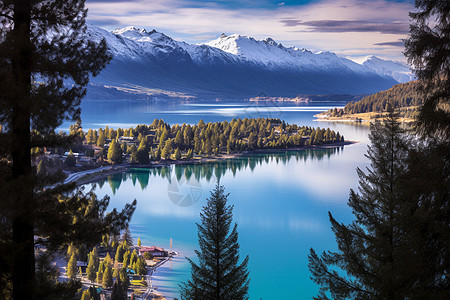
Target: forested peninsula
(405, 97)
(161, 143)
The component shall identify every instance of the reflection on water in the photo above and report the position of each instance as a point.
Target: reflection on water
(214, 170)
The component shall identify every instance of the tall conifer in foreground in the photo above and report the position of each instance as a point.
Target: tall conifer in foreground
(427, 50)
(370, 261)
(218, 275)
(45, 64)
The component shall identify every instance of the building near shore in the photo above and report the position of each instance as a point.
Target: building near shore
(153, 250)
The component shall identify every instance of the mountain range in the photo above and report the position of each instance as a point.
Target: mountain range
(151, 64)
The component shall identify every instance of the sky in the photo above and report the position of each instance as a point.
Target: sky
(350, 28)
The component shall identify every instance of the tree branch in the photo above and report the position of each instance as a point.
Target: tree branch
(7, 16)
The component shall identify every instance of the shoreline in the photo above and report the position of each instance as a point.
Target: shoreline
(360, 118)
(92, 175)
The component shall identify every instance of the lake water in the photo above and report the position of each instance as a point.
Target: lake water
(281, 201)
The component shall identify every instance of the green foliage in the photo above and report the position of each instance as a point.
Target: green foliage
(120, 252)
(124, 277)
(372, 248)
(119, 291)
(220, 137)
(86, 295)
(139, 243)
(427, 50)
(167, 150)
(107, 279)
(218, 274)
(402, 95)
(140, 266)
(126, 237)
(92, 266)
(71, 270)
(177, 154)
(114, 152)
(133, 259)
(126, 258)
(148, 256)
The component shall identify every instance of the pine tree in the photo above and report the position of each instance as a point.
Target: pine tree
(119, 253)
(71, 270)
(42, 40)
(90, 270)
(177, 154)
(107, 279)
(126, 258)
(218, 274)
(86, 295)
(126, 237)
(139, 243)
(114, 153)
(427, 51)
(101, 138)
(371, 248)
(167, 150)
(99, 278)
(119, 291)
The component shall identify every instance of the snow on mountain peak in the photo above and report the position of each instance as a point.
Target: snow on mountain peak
(396, 70)
(135, 43)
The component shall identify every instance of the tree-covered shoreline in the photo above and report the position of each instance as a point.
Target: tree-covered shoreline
(160, 141)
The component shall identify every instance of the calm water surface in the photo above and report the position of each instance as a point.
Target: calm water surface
(281, 200)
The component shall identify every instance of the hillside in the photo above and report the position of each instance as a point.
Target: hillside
(404, 96)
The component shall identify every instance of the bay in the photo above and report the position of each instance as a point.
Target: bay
(281, 200)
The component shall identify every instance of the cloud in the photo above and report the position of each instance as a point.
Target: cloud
(398, 43)
(332, 25)
(349, 26)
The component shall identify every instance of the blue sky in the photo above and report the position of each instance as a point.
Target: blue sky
(351, 28)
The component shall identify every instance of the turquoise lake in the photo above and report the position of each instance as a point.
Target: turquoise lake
(281, 200)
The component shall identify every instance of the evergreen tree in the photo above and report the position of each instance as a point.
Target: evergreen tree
(427, 51)
(99, 277)
(133, 259)
(126, 258)
(86, 295)
(218, 274)
(107, 279)
(101, 138)
(114, 153)
(71, 270)
(140, 266)
(90, 137)
(167, 150)
(119, 291)
(126, 237)
(428, 179)
(119, 253)
(139, 243)
(124, 277)
(90, 270)
(42, 40)
(371, 248)
(177, 154)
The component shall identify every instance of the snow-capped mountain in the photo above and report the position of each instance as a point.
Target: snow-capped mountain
(233, 65)
(396, 70)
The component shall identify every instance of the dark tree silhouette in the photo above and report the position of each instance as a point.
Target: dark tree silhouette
(370, 256)
(45, 64)
(427, 50)
(218, 275)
